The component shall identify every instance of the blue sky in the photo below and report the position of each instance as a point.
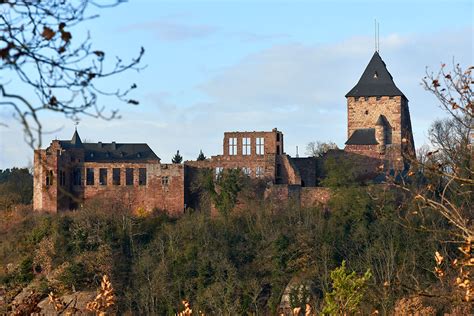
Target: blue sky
(221, 66)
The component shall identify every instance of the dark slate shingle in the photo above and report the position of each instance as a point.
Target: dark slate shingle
(375, 81)
(363, 136)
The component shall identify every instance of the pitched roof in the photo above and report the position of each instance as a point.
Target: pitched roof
(363, 136)
(382, 120)
(76, 140)
(375, 81)
(110, 152)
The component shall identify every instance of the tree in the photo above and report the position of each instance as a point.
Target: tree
(348, 290)
(177, 158)
(39, 51)
(447, 179)
(318, 149)
(201, 156)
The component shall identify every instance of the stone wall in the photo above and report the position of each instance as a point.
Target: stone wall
(164, 188)
(363, 113)
(308, 170)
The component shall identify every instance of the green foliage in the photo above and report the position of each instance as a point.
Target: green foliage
(16, 187)
(177, 158)
(237, 264)
(228, 186)
(201, 156)
(348, 290)
(339, 173)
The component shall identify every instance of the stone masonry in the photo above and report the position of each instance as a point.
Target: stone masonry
(70, 173)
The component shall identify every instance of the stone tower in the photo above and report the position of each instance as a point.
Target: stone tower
(378, 124)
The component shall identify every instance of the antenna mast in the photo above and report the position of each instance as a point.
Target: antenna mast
(375, 34)
(378, 37)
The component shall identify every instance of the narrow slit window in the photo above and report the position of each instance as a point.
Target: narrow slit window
(129, 176)
(116, 176)
(260, 145)
(246, 146)
(90, 176)
(141, 176)
(103, 176)
(49, 177)
(233, 146)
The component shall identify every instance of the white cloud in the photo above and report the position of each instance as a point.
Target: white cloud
(296, 87)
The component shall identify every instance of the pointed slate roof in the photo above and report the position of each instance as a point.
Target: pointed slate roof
(76, 140)
(362, 136)
(375, 81)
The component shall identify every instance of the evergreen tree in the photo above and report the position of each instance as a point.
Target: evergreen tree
(177, 158)
(201, 156)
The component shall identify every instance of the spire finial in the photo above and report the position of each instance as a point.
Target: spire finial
(76, 122)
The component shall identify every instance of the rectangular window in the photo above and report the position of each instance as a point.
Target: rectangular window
(218, 171)
(247, 171)
(259, 172)
(142, 176)
(103, 176)
(116, 176)
(76, 176)
(129, 176)
(233, 146)
(90, 176)
(164, 181)
(246, 146)
(260, 145)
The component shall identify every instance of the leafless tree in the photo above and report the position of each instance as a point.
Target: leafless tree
(40, 52)
(446, 184)
(317, 149)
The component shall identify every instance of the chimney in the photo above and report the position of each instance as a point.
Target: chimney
(114, 146)
(99, 144)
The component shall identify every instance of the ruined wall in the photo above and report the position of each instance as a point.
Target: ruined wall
(288, 172)
(164, 188)
(308, 170)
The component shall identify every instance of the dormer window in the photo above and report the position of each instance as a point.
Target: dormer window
(376, 75)
(92, 155)
(139, 155)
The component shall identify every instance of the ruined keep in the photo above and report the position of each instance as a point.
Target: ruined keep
(380, 140)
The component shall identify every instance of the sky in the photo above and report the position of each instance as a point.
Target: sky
(217, 66)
